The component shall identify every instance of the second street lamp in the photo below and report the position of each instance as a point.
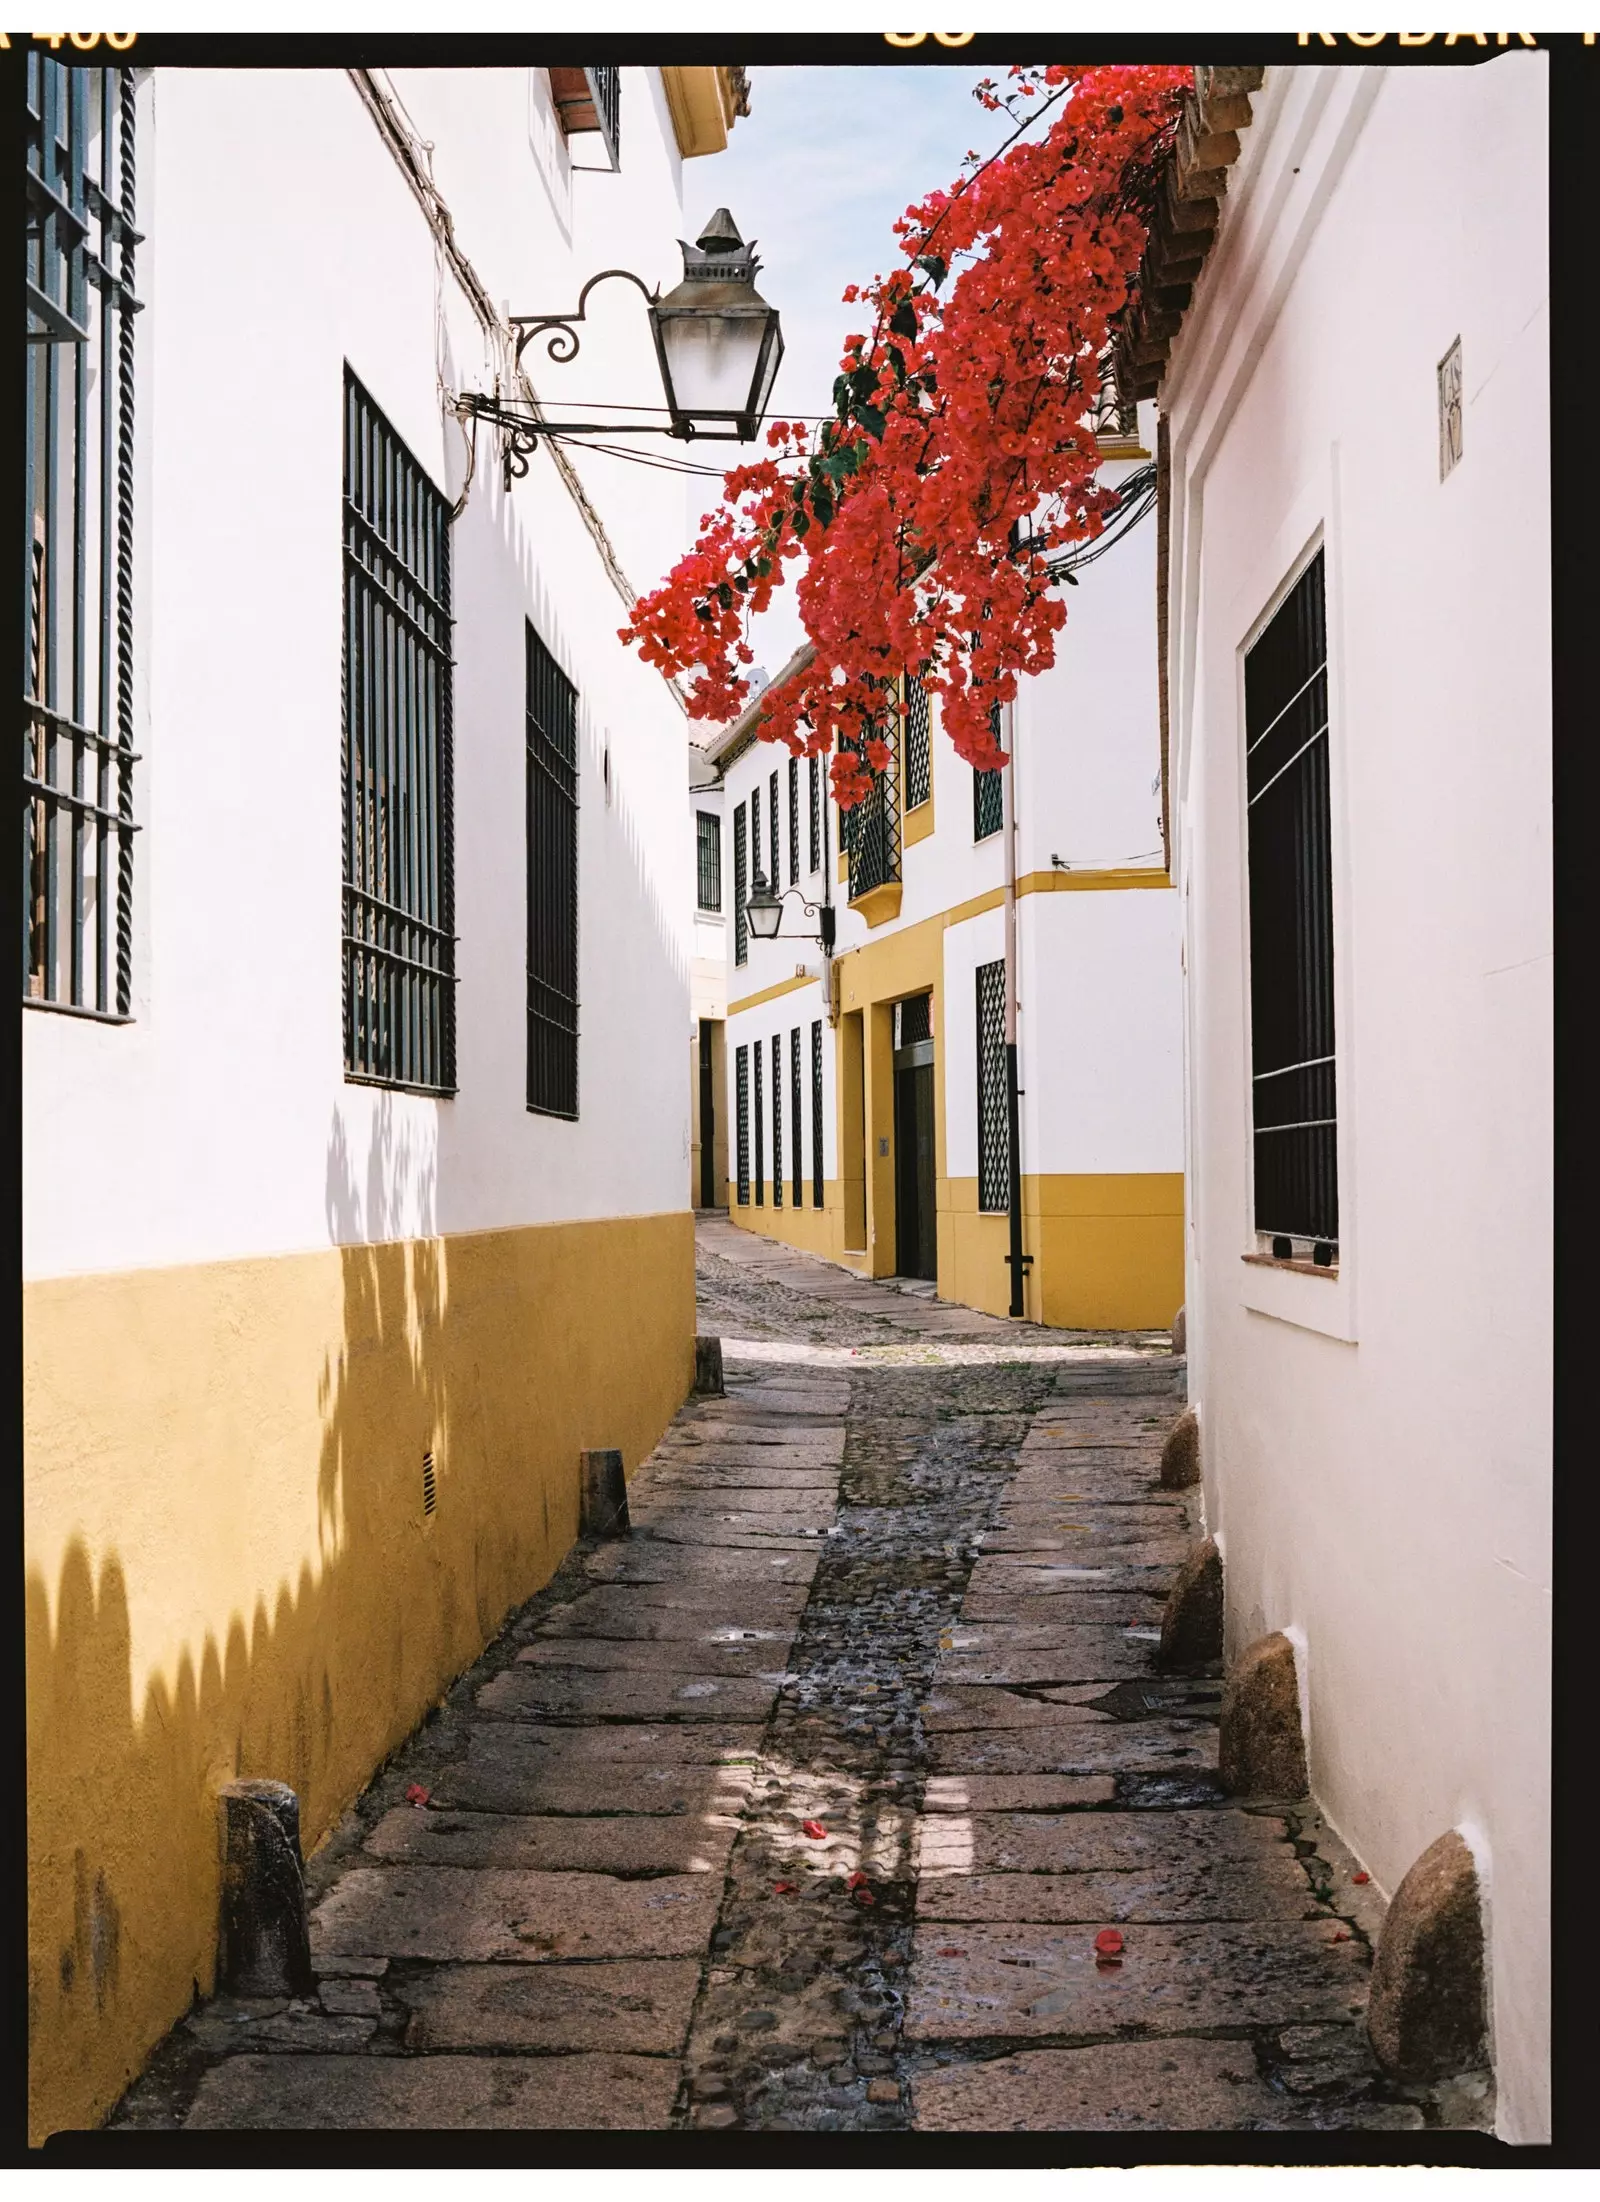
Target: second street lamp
(717, 341)
(763, 911)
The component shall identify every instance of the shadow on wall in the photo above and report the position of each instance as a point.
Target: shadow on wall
(265, 1423)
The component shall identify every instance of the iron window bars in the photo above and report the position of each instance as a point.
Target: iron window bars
(988, 791)
(755, 829)
(552, 885)
(994, 1129)
(794, 823)
(1291, 926)
(741, 1118)
(919, 744)
(773, 879)
(741, 929)
(816, 1113)
(874, 834)
(78, 439)
(815, 791)
(777, 1120)
(708, 851)
(589, 101)
(758, 1052)
(399, 939)
(796, 1139)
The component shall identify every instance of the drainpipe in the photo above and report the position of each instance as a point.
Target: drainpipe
(1017, 1261)
(826, 921)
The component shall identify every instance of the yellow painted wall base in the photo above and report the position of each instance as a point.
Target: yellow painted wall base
(230, 1570)
(1108, 1250)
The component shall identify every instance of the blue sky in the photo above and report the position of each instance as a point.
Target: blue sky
(817, 173)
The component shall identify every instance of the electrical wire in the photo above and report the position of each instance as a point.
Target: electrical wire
(1135, 498)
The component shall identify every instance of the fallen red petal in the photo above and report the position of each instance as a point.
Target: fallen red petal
(416, 1794)
(856, 1881)
(1108, 1942)
(783, 1888)
(950, 1953)
(1361, 1876)
(815, 1829)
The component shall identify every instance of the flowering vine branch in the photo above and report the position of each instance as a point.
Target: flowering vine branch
(962, 452)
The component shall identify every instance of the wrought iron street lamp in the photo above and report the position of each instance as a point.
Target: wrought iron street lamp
(718, 344)
(763, 911)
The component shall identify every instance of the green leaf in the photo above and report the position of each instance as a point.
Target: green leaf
(802, 523)
(872, 420)
(822, 504)
(937, 268)
(903, 321)
(863, 382)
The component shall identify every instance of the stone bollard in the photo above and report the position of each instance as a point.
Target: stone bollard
(1425, 2010)
(265, 1947)
(1180, 1455)
(708, 1382)
(1191, 1626)
(605, 1496)
(1262, 1746)
(1180, 1333)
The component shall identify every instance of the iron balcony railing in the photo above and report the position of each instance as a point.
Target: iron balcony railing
(872, 834)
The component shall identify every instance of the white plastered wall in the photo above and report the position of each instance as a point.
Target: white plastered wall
(1377, 1451)
(220, 1124)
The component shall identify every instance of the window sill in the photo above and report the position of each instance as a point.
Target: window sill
(1300, 1269)
(879, 904)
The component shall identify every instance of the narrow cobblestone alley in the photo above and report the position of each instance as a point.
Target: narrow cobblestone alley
(803, 1806)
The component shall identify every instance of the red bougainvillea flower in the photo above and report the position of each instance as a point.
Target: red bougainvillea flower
(921, 519)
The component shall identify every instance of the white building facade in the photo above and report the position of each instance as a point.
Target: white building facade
(1360, 739)
(356, 1132)
(866, 1092)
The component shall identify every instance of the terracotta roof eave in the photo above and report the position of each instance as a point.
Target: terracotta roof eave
(721, 749)
(1185, 225)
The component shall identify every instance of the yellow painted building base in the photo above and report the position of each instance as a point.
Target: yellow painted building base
(1107, 1250)
(231, 1569)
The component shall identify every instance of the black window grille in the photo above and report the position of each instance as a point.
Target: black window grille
(913, 1020)
(919, 744)
(774, 877)
(761, 1131)
(399, 939)
(814, 765)
(606, 88)
(796, 1141)
(994, 1128)
(741, 1121)
(552, 885)
(988, 791)
(816, 1113)
(78, 442)
(777, 1120)
(590, 101)
(988, 803)
(755, 832)
(794, 821)
(741, 929)
(1291, 924)
(709, 854)
(875, 835)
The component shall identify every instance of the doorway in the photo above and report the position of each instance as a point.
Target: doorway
(708, 1115)
(916, 1230)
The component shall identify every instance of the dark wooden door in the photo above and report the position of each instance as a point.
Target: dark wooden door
(708, 1120)
(916, 1247)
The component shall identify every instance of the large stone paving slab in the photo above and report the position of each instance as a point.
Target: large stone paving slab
(559, 1787)
(632, 1844)
(667, 1743)
(1123, 2087)
(1079, 1749)
(438, 1911)
(704, 1653)
(650, 1560)
(533, 2094)
(638, 1609)
(1177, 1891)
(1105, 1842)
(997, 1708)
(1080, 1655)
(1027, 1980)
(575, 1693)
(967, 1793)
(630, 2005)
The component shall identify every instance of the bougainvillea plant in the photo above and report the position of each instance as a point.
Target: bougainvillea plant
(962, 452)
